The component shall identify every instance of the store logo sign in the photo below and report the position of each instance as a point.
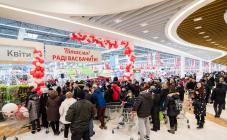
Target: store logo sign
(12, 53)
(16, 53)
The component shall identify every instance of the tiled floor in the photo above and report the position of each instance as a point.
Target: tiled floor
(210, 132)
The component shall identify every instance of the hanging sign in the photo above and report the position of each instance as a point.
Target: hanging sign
(16, 53)
(67, 54)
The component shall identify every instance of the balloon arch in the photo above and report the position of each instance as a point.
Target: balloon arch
(109, 44)
(37, 71)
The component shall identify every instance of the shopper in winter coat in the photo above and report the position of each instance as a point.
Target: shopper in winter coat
(156, 108)
(63, 110)
(43, 102)
(129, 100)
(181, 91)
(136, 89)
(163, 96)
(199, 103)
(143, 107)
(88, 96)
(53, 115)
(80, 114)
(108, 94)
(116, 92)
(172, 111)
(98, 97)
(218, 96)
(33, 109)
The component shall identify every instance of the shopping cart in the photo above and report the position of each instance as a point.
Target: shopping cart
(17, 117)
(113, 110)
(126, 120)
(183, 112)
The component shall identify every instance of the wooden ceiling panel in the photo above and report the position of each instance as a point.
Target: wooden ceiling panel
(212, 24)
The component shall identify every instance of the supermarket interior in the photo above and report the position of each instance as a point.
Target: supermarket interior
(113, 69)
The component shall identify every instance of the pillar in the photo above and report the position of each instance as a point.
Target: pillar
(182, 70)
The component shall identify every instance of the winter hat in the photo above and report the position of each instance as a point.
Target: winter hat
(81, 94)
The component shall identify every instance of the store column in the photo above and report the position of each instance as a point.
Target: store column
(182, 70)
(200, 66)
(209, 64)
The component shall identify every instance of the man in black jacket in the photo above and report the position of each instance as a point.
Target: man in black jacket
(218, 96)
(143, 107)
(156, 107)
(79, 114)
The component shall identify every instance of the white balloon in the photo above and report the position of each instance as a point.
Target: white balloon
(9, 110)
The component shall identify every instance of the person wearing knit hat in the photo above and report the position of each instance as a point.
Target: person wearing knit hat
(80, 114)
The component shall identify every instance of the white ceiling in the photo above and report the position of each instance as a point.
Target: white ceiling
(80, 7)
(132, 23)
(149, 23)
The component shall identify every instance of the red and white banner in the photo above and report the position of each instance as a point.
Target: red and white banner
(67, 54)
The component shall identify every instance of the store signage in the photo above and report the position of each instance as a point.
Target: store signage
(16, 53)
(66, 54)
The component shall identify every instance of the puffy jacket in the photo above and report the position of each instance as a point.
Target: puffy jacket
(171, 105)
(143, 104)
(98, 98)
(33, 107)
(219, 95)
(79, 114)
(116, 92)
(64, 108)
(53, 104)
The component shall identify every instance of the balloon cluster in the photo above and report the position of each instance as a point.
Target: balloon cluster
(37, 71)
(105, 43)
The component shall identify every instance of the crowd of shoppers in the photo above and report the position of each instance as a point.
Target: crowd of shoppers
(77, 104)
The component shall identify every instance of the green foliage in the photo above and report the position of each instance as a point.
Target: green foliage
(13, 93)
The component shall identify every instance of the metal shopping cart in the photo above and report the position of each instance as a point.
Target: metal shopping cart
(113, 109)
(183, 111)
(125, 120)
(17, 117)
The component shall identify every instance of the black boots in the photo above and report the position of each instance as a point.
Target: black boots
(172, 130)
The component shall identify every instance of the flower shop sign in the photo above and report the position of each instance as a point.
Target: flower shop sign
(16, 53)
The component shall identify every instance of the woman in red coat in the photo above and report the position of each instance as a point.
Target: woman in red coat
(116, 90)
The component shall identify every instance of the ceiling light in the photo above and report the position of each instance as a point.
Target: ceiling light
(216, 44)
(212, 42)
(143, 24)
(198, 19)
(202, 33)
(198, 27)
(208, 39)
(118, 20)
(145, 31)
(225, 17)
(206, 36)
(155, 37)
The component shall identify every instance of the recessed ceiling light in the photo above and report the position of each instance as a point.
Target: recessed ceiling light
(198, 27)
(208, 39)
(197, 19)
(143, 24)
(145, 31)
(162, 40)
(212, 42)
(155, 37)
(118, 20)
(206, 36)
(201, 33)
(216, 44)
